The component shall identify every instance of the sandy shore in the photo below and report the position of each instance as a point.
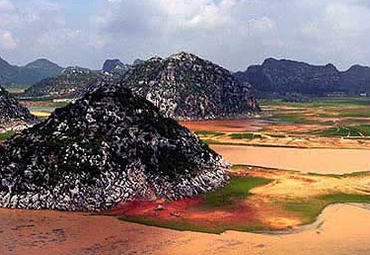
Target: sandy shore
(58, 233)
(325, 161)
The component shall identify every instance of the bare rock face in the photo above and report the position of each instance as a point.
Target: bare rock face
(13, 116)
(186, 87)
(105, 148)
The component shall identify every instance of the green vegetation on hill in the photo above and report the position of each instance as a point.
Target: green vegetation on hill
(6, 135)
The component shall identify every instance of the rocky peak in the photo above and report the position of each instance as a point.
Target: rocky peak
(187, 87)
(138, 62)
(184, 56)
(112, 64)
(106, 148)
(13, 116)
(155, 59)
(72, 70)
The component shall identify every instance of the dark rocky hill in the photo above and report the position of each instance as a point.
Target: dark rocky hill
(187, 87)
(13, 116)
(286, 76)
(282, 77)
(138, 61)
(72, 83)
(115, 66)
(28, 74)
(105, 148)
(356, 80)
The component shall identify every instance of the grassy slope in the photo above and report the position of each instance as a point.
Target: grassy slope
(6, 135)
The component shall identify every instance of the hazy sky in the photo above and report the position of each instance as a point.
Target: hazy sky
(233, 33)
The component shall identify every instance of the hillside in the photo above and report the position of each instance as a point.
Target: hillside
(28, 74)
(72, 83)
(187, 87)
(107, 147)
(284, 77)
(115, 66)
(13, 116)
(356, 80)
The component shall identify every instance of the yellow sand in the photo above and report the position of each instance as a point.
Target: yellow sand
(342, 229)
(328, 161)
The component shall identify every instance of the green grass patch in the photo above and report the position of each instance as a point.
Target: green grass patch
(348, 131)
(308, 210)
(6, 135)
(363, 112)
(346, 198)
(319, 102)
(245, 136)
(205, 132)
(238, 189)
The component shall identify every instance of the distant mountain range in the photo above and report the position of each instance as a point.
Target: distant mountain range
(279, 77)
(73, 82)
(273, 78)
(28, 74)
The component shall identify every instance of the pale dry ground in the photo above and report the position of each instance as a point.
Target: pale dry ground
(325, 161)
(41, 114)
(296, 185)
(341, 229)
(289, 140)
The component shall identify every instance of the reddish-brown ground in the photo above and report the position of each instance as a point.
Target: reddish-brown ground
(264, 208)
(189, 211)
(247, 125)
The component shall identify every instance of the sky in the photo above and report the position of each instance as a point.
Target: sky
(232, 33)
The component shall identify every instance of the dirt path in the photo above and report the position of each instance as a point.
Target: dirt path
(325, 161)
(57, 233)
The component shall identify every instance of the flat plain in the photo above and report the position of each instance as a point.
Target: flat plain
(299, 182)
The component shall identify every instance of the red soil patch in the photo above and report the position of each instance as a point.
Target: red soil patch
(247, 125)
(189, 210)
